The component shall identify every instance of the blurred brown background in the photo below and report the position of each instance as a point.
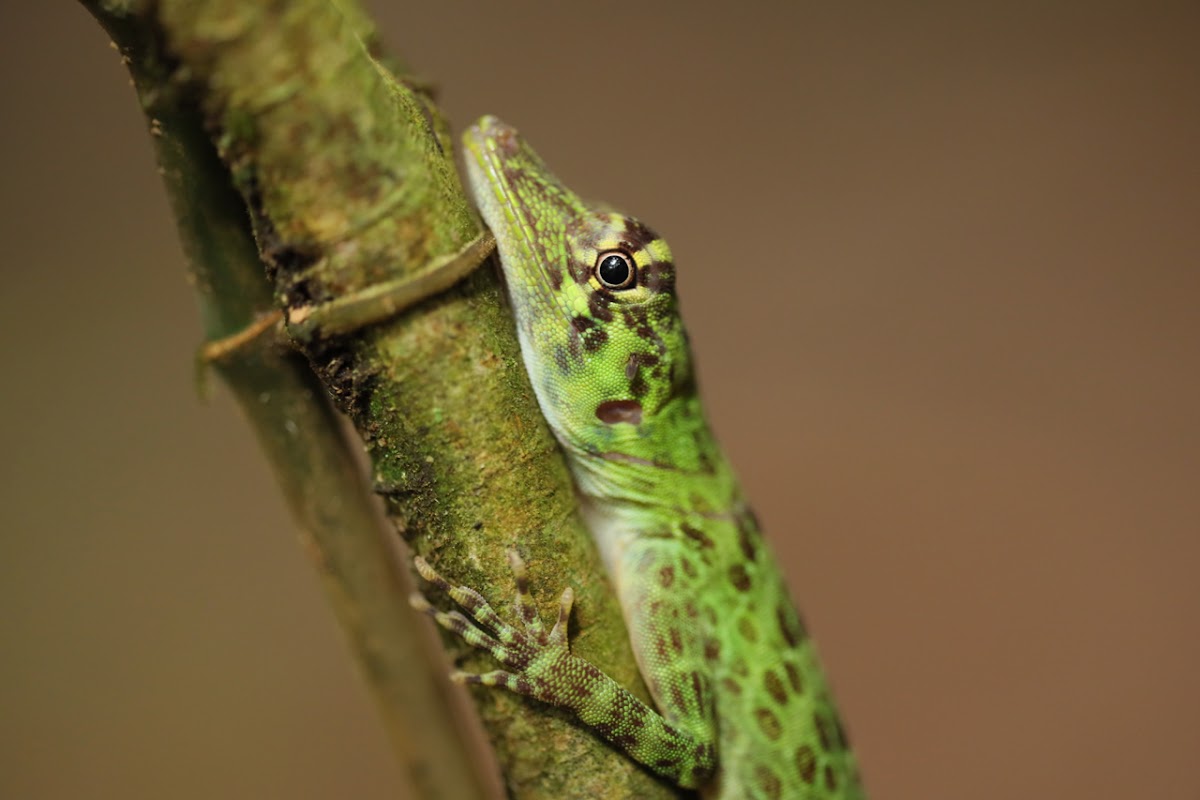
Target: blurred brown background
(942, 269)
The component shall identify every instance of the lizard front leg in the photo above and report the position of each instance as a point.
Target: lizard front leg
(539, 664)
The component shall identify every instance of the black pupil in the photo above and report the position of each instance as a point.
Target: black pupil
(614, 271)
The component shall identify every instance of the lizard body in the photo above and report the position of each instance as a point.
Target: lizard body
(744, 710)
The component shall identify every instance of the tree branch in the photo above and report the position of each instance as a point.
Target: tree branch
(274, 123)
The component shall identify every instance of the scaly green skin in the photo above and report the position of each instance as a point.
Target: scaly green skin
(744, 710)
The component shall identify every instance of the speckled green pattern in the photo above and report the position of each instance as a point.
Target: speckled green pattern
(744, 710)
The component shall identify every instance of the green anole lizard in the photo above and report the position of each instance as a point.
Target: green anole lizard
(744, 710)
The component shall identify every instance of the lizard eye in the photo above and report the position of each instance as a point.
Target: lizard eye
(615, 270)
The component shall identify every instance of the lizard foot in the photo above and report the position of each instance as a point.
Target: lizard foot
(531, 654)
(538, 664)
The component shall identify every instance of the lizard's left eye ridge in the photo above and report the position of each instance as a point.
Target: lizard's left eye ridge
(615, 270)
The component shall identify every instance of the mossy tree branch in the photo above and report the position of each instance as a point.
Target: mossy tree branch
(275, 124)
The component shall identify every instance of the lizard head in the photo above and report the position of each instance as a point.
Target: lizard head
(594, 297)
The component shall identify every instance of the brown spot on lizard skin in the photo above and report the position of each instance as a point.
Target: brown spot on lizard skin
(806, 764)
(633, 372)
(696, 535)
(689, 568)
(660, 648)
(610, 412)
(747, 630)
(638, 386)
(626, 741)
(747, 535)
(774, 687)
(768, 782)
(561, 359)
(794, 677)
(739, 577)
(574, 344)
(831, 782)
(789, 625)
(824, 733)
(634, 365)
(666, 576)
(592, 336)
(555, 277)
(769, 723)
(638, 360)
(638, 320)
(677, 697)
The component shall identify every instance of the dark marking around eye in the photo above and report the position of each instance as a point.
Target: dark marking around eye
(657, 277)
(598, 305)
(581, 272)
(637, 235)
(610, 412)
